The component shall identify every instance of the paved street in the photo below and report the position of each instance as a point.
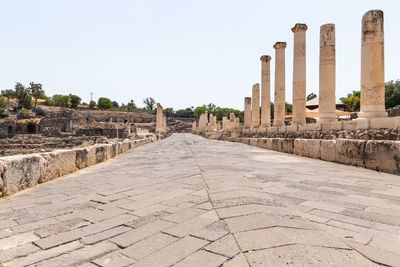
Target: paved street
(189, 201)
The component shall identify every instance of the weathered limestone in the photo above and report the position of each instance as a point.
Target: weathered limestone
(372, 66)
(255, 106)
(232, 123)
(307, 147)
(247, 112)
(56, 164)
(299, 74)
(203, 121)
(161, 123)
(19, 172)
(279, 98)
(265, 91)
(327, 74)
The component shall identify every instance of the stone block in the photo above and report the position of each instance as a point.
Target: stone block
(91, 156)
(101, 153)
(388, 156)
(263, 143)
(81, 158)
(253, 130)
(273, 129)
(109, 151)
(370, 153)
(334, 125)
(269, 143)
(356, 124)
(253, 141)
(328, 150)
(310, 127)
(287, 145)
(350, 151)
(276, 144)
(292, 128)
(20, 172)
(282, 129)
(307, 147)
(56, 164)
(387, 123)
(262, 130)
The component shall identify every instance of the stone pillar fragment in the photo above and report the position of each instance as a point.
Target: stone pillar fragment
(327, 74)
(255, 106)
(299, 74)
(279, 95)
(161, 120)
(247, 112)
(265, 91)
(372, 104)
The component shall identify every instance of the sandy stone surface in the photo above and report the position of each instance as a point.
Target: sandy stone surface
(189, 201)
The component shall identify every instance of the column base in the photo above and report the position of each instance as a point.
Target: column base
(372, 114)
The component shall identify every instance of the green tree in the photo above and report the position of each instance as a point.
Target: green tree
(27, 102)
(92, 104)
(48, 101)
(131, 105)
(36, 90)
(21, 92)
(74, 100)
(3, 102)
(311, 96)
(4, 113)
(149, 103)
(352, 100)
(392, 94)
(104, 103)
(168, 110)
(115, 104)
(9, 93)
(61, 100)
(288, 108)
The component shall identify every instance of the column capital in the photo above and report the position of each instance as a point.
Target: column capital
(265, 58)
(327, 35)
(299, 27)
(279, 45)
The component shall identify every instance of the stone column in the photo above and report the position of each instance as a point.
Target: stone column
(159, 119)
(372, 103)
(255, 106)
(247, 112)
(327, 74)
(279, 98)
(299, 74)
(265, 92)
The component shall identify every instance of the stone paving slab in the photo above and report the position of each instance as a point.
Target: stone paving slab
(189, 201)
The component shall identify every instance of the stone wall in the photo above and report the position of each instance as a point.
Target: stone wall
(380, 155)
(23, 171)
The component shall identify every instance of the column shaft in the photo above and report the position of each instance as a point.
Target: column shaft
(265, 92)
(372, 66)
(327, 74)
(255, 106)
(247, 112)
(279, 95)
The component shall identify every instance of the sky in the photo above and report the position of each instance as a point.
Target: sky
(182, 53)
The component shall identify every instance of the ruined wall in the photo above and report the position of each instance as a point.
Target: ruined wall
(23, 171)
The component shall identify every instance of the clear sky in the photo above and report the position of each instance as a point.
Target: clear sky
(181, 52)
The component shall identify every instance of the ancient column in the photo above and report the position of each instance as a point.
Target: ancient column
(299, 74)
(255, 106)
(372, 104)
(247, 112)
(265, 92)
(327, 74)
(159, 119)
(279, 98)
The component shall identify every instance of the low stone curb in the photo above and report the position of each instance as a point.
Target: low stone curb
(371, 154)
(23, 171)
